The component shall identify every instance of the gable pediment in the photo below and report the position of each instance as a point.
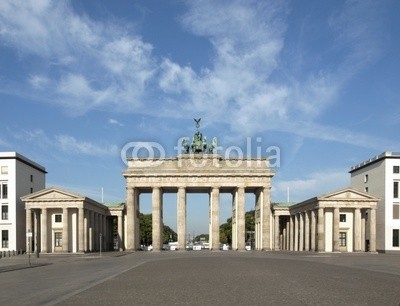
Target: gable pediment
(52, 194)
(347, 194)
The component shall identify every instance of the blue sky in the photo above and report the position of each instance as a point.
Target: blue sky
(318, 79)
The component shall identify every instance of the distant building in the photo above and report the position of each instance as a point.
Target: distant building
(380, 176)
(19, 176)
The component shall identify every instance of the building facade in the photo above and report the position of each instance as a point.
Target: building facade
(335, 222)
(19, 176)
(380, 176)
(65, 222)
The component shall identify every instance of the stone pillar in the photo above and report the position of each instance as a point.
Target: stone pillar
(100, 232)
(287, 245)
(276, 233)
(291, 233)
(28, 222)
(266, 222)
(313, 230)
(296, 232)
(372, 230)
(157, 219)
(43, 230)
(36, 230)
(81, 233)
(321, 230)
(301, 232)
(363, 231)
(336, 242)
(95, 231)
(234, 219)
(86, 231)
(65, 238)
(306, 231)
(91, 220)
(357, 230)
(214, 219)
(130, 219)
(120, 232)
(241, 229)
(181, 210)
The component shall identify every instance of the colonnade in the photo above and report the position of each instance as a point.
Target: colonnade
(238, 216)
(80, 229)
(308, 230)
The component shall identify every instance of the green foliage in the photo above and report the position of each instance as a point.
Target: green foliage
(199, 237)
(225, 229)
(145, 222)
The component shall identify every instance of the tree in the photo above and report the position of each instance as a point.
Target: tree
(146, 232)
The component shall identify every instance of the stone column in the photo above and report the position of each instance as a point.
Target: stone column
(43, 230)
(287, 245)
(130, 218)
(120, 233)
(291, 233)
(28, 222)
(234, 219)
(266, 223)
(65, 238)
(157, 219)
(214, 219)
(313, 230)
(241, 229)
(336, 242)
(372, 231)
(363, 231)
(100, 232)
(306, 231)
(276, 233)
(296, 232)
(181, 198)
(85, 230)
(91, 220)
(81, 233)
(321, 230)
(301, 231)
(357, 230)
(36, 230)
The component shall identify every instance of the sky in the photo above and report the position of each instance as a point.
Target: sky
(80, 80)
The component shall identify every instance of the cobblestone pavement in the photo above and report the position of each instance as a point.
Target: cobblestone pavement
(198, 278)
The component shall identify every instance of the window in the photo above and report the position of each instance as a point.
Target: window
(396, 207)
(4, 212)
(366, 189)
(396, 169)
(4, 238)
(395, 190)
(58, 218)
(31, 190)
(58, 239)
(342, 239)
(4, 170)
(366, 178)
(342, 217)
(31, 178)
(4, 190)
(395, 237)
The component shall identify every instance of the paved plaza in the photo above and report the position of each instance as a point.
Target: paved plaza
(203, 277)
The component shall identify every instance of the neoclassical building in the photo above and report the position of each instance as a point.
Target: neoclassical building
(63, 222)
(341, 221)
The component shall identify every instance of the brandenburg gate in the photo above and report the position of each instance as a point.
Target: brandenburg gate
(199, 170)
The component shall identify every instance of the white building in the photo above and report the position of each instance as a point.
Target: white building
(19, 176)
(380, 176)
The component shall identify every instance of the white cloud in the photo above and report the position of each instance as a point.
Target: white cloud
(114, 122)
(314, 185)
(71, 145)
(104, 66)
